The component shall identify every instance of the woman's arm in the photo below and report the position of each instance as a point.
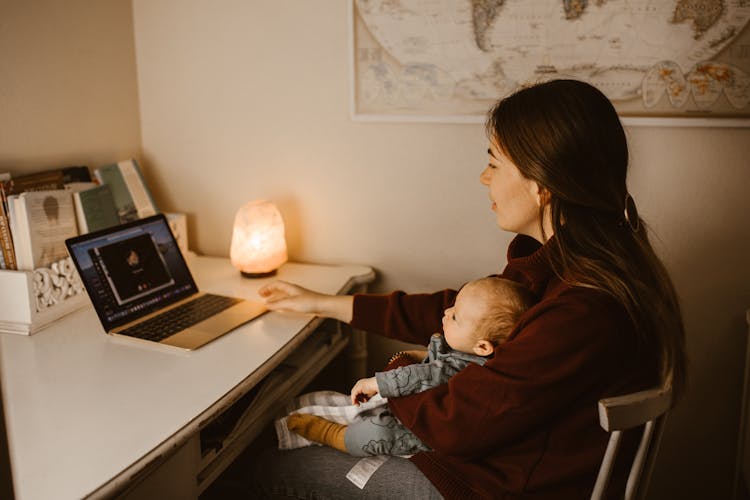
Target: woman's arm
(408, 317)
(567, 355)
(411, 318)
(284, 296)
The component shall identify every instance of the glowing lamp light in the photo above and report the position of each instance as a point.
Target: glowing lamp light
(258, 244)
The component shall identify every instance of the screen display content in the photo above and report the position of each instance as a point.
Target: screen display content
(132, 271)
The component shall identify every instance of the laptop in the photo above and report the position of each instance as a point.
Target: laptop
(141, 287)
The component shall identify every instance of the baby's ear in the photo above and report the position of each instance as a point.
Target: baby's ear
(483, 348)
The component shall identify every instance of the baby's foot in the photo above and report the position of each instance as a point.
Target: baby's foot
(318, 429)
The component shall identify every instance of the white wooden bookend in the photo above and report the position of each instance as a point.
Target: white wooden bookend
(31, 300)
(54, 284)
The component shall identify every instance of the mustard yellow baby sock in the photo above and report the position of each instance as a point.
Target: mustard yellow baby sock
(318, 429)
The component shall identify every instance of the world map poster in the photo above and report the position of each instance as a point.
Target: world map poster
(450, 60)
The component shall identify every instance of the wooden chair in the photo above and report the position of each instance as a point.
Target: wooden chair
(646, 408)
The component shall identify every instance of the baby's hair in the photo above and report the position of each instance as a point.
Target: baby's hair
(506, 301)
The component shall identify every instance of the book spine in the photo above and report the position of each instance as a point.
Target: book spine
(41, 181)
(6, 239)
(139, 191)
(21, 237)
(83, 227)
(9, 256)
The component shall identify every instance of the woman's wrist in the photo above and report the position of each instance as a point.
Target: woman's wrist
(340, 307)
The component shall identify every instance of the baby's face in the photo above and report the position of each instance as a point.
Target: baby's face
(459, 321)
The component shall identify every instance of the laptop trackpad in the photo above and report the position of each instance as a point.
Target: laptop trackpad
(216, 326)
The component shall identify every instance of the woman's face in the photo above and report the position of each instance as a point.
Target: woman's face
(515, 199)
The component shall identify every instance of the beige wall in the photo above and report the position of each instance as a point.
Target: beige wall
(68, 93)
(243, 100)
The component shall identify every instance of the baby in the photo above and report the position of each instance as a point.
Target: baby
(485, 312)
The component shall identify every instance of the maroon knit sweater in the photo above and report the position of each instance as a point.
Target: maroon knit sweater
(524, 425)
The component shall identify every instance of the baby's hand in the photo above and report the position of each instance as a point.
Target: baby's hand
(363, 390)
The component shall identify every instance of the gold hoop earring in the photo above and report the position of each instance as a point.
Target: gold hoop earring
(631, 214)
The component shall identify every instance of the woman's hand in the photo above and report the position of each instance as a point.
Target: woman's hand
(363, 390)
(280, 295)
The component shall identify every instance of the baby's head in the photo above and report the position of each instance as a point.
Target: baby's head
(485, 312)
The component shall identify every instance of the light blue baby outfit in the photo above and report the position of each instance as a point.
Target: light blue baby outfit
(382, 433)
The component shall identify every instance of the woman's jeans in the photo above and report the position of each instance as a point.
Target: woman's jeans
(319, 472)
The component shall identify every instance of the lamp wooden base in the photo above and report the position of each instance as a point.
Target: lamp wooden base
(258, 275)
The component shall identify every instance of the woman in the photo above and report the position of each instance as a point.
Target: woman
(525, 425)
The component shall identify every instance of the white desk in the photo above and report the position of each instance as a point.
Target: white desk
(89, 414)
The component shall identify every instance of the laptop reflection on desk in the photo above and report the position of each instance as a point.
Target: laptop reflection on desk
(141, 287)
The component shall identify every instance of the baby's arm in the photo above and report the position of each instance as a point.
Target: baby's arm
(365, 388)
(411, 379)
(400, 381)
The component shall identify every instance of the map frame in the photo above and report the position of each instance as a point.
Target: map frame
(740, 121)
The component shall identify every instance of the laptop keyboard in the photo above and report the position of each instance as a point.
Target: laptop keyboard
(188, 314)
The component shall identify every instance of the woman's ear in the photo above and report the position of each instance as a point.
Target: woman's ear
(483, 348)
(543, 196)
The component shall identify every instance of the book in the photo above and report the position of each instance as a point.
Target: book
(95, 209)
(80, 173)
(131, 194)
(20, 245)
(178, 225)
(6, 238)
(80, 186)
(41, 222)
(48, 179)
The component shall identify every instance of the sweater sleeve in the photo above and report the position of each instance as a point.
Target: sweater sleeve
(417, 377)
(407, 317)
(441, 364)
(567, 349)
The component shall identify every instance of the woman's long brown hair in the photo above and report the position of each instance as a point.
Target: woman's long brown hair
(566, 136)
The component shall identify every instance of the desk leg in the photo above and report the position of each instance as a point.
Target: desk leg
(357, 354)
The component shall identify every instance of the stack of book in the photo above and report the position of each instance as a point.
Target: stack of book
(39, 211)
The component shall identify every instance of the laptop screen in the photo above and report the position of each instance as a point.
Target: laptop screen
(131, 270)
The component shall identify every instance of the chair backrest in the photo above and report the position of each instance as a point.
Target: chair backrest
(647, 409)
